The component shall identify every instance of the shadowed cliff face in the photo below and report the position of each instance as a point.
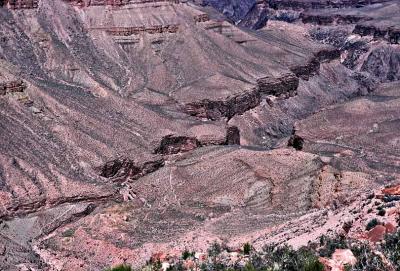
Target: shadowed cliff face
(233, 9)
(129, 127)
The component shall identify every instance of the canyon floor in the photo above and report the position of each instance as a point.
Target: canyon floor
(131, 128)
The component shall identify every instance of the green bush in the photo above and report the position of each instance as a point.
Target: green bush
(247, 249)
(121, 267)
(68, 233)
(285, 258)
(381, 212)
(214, 250)
(186, 254)
(372, 223)
(366, 259)
(313, 264)
(391, 249)
(329, 245)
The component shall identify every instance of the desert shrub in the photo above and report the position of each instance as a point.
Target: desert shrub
(391, 249)
(249, 267)
(121, 267)
(68, 233)
(186, 254)
(381, 212)
(329, 245)
(366, 259)
(371, 224)
(371, 196)
(214, 250)
(287, 259)
(247, 249)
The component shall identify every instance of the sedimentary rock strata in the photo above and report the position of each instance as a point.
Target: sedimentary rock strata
(114, 3)
(20, 4)
(387, 32)
(312, 4)
(12, 86)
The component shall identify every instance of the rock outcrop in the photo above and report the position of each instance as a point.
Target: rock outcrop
(330, 19)
(20, 4)
(12, 86)
(123, 168)
(177, 144)
(386, 32)
(128, 31)
(115, 3)
(215, 110)
(383, 63)
(323, 4)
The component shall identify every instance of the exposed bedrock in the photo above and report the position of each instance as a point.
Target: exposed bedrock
(121, 169)
(368, 51)
(329, 19)
(18, 234)
(383, 63)
(176, 144)
(257, 17)
(128, 31)
(285, 85)
(387, 32)
(296, 142)
(307, 70)
(114, 3)
(273, 121)
(350, 50)
(361, 134)
(232, 136)
(327, 54)
(214, 110)
(235, 10)
(19, 4)
(12, 86)
(251, 190)
(320, 4)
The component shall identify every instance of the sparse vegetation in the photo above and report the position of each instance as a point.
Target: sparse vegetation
(329, 245)
(214, 250)
(121, 267)
(68, 233)
(391, 249)
(367, 260)
(187, 254)
(381, 212)
(371, 224)
(247, 248)
(285, 258)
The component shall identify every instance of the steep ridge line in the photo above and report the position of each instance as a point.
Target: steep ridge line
(284, 87)
(41, 204)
